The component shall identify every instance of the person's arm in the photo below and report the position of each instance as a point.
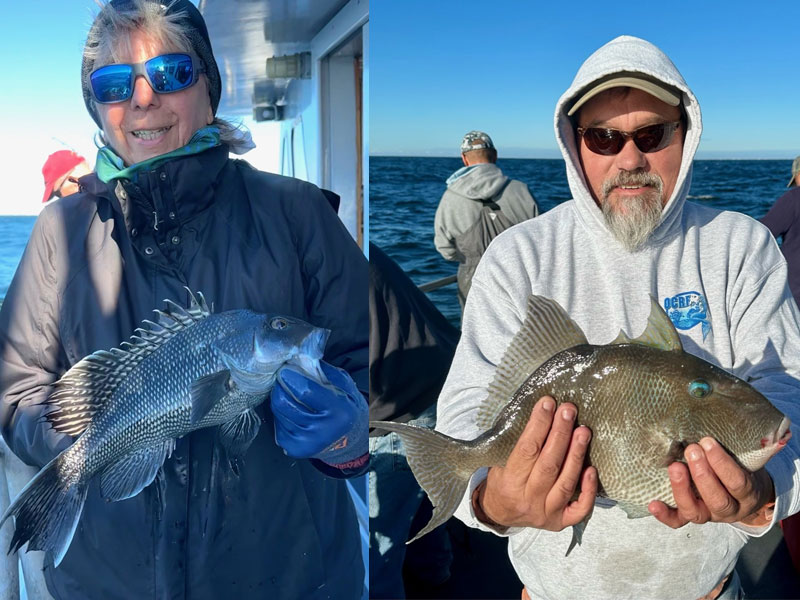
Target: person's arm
(535, 487)
(781, 216)
(534, 204)
(442, 238)
(31, 353)
(335, 274)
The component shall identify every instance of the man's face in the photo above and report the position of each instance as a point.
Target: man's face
(626, 185)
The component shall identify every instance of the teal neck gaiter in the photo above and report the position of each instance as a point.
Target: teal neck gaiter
(109, 166)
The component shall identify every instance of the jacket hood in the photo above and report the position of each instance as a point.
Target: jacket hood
(477, 182)
(635, 55)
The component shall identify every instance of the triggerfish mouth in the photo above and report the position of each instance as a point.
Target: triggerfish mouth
(644, 399)
(192, 369)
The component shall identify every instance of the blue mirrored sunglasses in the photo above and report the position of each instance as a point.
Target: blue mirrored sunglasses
(166, 74)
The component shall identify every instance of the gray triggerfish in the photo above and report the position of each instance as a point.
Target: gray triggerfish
(644, 399)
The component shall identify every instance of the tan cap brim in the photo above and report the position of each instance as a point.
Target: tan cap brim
(663, 93)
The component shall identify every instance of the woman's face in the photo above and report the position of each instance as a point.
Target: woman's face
(150, 124)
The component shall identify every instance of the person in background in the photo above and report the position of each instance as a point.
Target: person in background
(478, 204)
(61, 172)
(783, 220)
(168, 210)
(628, 127)
(410, 348)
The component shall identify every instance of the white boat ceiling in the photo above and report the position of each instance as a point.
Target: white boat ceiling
(244, 33)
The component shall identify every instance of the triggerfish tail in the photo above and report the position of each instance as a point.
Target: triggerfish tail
(47, 511)
(442, 466)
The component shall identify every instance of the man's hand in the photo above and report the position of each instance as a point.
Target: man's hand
(536, 486)
(726, 493)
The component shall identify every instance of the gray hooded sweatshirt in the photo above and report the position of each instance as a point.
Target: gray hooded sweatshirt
(724, 263)
(461, 203)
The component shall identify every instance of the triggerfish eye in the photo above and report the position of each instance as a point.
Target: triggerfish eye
(699, 388)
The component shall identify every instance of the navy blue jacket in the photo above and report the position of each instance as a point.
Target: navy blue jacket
(783, 220)
(96, 264)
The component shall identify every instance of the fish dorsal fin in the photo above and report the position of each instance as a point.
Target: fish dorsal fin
(85, 388)
(546, 331)
(660, 332)
(622, 338)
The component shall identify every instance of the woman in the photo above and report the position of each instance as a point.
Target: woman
(165, 209)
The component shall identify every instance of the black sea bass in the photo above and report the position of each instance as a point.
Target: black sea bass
(193, 369)
(645, 400)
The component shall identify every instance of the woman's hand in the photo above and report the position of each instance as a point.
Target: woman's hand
(327, 422)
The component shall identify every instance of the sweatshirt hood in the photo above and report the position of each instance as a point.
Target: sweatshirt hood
(632, 55)
(477, 182)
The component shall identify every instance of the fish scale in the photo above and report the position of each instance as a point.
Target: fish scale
(643, 399)
(128, 405)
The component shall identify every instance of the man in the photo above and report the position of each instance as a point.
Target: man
(478, 204)
(783, 220)
(795, 180)
(61, 172)
(628, 128)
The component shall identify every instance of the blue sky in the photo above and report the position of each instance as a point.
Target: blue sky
(440, 68)
(41, 105)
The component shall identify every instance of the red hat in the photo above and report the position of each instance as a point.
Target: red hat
(56, 166)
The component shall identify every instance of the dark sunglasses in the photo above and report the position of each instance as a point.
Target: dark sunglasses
(166, 74)
(607, 142)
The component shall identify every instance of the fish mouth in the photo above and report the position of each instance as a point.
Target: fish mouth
(314, 344)
(783, 434)
(780, 437)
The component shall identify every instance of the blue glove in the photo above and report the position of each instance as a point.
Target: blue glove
(326, 422)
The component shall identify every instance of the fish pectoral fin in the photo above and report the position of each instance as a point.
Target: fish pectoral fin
(660, 332)
(207, 391)
(675, 452)
(237, 434)
(133, 472)
(546, 330)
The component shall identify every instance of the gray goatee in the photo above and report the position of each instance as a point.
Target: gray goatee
(632, 220)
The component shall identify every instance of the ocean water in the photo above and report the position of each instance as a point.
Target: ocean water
(404, 193)
(14, 234)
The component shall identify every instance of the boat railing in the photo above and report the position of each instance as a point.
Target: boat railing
(437, 283)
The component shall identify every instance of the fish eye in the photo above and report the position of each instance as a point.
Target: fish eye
(278, 323)
(699, 388)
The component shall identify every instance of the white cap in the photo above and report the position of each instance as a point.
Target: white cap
(640, 81)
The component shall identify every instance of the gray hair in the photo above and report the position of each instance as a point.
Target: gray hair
(109, 38)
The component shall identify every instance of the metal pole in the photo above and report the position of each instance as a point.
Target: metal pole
(437, 283)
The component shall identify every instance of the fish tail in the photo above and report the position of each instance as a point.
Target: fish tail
(442, 466)
(47, 511)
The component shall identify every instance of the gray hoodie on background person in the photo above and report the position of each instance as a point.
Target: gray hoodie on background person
(724, 265)
(479, 203)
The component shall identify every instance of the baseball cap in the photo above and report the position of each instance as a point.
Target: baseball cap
(56, 166)
(795, 170)
(664, 92)
(476, 140)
